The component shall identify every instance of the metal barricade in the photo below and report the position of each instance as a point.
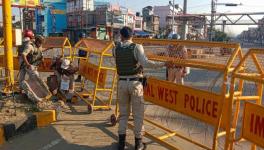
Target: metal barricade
(251, 71)
(1, 42)
(99, 73)
(205, 104)
(53, 46)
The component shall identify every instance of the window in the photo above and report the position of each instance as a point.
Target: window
(42, 18)
(138, 24)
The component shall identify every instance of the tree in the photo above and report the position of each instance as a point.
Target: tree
(220, 36)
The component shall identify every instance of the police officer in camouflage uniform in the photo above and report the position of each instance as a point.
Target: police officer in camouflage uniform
(30, 55)
(130, 60)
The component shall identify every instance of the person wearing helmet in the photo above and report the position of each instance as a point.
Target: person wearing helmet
(30, 56)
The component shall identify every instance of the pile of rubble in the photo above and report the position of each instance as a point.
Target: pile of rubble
(12, 110)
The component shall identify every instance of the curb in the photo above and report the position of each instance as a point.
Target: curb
(45, 118)
(37, 120)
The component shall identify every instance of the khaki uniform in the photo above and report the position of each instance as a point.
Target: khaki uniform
(176, 73)
(29, 49)
(130, 93)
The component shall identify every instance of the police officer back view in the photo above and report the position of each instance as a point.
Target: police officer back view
(130, 60)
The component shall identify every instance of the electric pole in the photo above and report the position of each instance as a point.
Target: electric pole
(173, 13)
(213, 11)
(184, 31)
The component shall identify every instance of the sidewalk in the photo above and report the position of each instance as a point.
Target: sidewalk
(75, 130)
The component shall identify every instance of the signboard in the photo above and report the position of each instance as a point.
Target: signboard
(202, 105)
(90, 72)
(58, 12)
(253, 123)
(24, 2)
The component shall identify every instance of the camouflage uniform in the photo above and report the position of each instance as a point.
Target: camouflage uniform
(29, 49)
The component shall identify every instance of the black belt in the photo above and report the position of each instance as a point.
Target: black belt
(131, 79)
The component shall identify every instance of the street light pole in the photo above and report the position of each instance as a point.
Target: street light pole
(213, 11)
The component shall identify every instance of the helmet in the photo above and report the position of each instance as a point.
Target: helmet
(29, 34)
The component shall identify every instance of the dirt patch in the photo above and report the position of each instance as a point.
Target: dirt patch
(14, 109)
(11, 111)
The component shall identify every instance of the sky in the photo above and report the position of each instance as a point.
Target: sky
(202, 6)
(195, 6)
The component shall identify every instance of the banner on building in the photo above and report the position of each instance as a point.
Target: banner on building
(31, 3)
(58, 12)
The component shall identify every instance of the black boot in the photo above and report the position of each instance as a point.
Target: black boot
(122, 142)
(139, 145)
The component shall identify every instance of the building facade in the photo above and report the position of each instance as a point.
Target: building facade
(164, 11)
(151, 21)
(196, 25)
(254, 34)
(51, 21)
(138, 26)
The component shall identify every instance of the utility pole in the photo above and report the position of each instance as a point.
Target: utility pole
(184, 31)
(21, 19)
(9, 68)
(173, 13)
(213, 11)
(112, 25)
(224, 24)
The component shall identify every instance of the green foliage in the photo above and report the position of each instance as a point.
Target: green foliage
(220, 36)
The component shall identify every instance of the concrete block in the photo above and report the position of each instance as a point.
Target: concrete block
(45, 118)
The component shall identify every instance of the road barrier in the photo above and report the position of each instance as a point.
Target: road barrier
(97, 67)
(207, 106)
(250, 70)
(60, 46)
(56, 46)
(1, 42)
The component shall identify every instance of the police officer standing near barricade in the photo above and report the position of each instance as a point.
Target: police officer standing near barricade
(130, 60)
(30, 55)
(177, 73)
